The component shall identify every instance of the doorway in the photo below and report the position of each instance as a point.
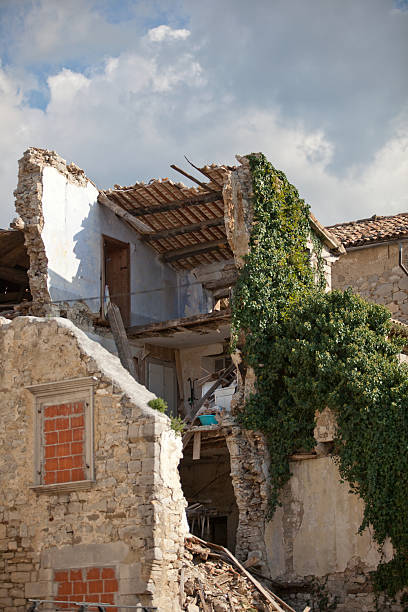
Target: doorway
(212, 511)
(116, 274)
(162, 381)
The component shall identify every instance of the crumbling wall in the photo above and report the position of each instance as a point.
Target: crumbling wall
(311, 547)
(314, 549)
(123, 532)
(249, 474)
(64, 224)
(374, 273)
(28, 205)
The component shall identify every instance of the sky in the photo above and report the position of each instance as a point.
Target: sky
(124, 88)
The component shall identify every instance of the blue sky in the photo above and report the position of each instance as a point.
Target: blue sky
(125, 88)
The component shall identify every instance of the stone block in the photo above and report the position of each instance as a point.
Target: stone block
(19, 577)
(38, 589)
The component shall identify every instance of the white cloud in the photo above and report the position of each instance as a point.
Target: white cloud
(165, 32)
(127, 115)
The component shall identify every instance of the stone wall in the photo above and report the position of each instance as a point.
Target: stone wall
(126, 521)
(314, 549)
(375, 274)
(249, 475)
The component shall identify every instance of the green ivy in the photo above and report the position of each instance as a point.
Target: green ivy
(277, 269)
(176, 423)
(311, 349)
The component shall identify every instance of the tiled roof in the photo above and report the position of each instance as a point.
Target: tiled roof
(372, 230)
(165, 205)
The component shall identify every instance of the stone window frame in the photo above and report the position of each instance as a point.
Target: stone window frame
(60, 392)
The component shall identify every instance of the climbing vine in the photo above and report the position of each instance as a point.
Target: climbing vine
(312, 350)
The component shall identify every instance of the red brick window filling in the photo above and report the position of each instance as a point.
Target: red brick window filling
(64, 443)
(91, 584)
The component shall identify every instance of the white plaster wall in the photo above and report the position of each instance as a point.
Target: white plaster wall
(73, 226)
(315, 531)
(190, 360)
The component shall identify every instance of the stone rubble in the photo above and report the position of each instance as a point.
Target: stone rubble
(212, 584)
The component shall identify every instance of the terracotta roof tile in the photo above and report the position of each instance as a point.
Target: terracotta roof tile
(372, 230)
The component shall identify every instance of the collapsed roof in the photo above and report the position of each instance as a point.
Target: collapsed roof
(185, 225)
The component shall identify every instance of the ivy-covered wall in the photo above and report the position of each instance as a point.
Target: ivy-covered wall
(309, 349)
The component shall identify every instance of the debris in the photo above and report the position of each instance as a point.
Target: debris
(221, 584)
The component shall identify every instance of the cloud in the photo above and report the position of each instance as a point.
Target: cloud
(164, 32)
(213, 85)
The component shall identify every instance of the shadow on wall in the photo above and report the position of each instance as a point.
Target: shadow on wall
(75, 258)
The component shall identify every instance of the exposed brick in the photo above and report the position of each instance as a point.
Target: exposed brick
(62, 423)
(64, 463)
(51, 465)
(50, 451)
(110, 586)
(78, 407)
(63, 476)
(108, 572)
(65, 436)
(50, 478)
(63, 409)
(77, 421)
(61, 576)
(51, 437)
(50, 411)
(65, 588)
(78, 434)
(49, 425)
(77, 448)
(93, 573)
(77, 461)
(63, 450)
(80, 588)
(78, 474)
(75, 575)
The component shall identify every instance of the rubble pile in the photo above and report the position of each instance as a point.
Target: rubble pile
(211, 583)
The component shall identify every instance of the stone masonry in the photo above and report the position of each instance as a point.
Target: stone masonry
(114, 536)
(374, 273)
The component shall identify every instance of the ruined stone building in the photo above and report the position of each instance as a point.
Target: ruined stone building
(94, 482)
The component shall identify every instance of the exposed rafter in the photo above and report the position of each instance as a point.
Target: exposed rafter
(188, 251)
(195, 201)
(183, 229)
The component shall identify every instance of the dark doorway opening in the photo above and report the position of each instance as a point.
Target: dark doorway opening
(212, 511)
(116, 274)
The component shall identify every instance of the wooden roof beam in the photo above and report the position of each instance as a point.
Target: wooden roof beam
(194, 249)
(204, 198)
(183, 229)
(173, 324)
(192, 178)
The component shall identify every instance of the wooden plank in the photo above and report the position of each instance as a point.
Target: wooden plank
(206, 174)
(213, 387)
(192, 178)
(194, 249)
(272, 598)
(120, 337)
(183, 229)
(116, 208)
(179, 372)
(116, 255)
(138, 330)
(204, 198)
(197, 445)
